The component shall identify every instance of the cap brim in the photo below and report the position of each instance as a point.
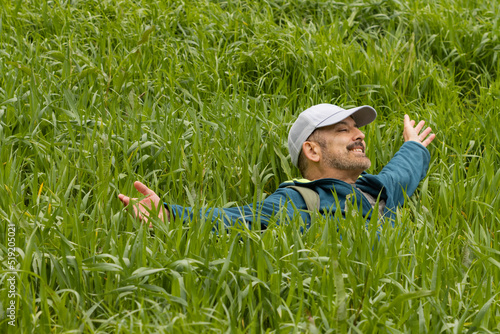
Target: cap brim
(362, 116)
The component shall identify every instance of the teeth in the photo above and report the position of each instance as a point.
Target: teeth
(357, 150)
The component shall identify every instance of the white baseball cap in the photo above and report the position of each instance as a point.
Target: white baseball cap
(322, 115)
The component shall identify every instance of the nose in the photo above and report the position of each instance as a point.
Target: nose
(358, 135)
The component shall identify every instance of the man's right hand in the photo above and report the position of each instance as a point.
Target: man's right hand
(151, 203)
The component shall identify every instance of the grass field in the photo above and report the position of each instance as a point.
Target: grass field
(195, 99)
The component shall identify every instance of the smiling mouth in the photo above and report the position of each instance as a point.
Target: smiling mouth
(358, 149)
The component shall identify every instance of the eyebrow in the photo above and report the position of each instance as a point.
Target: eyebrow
(346, 124)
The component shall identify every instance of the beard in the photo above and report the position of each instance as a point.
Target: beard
(347, 160)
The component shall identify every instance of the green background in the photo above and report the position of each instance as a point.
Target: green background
(195, 99)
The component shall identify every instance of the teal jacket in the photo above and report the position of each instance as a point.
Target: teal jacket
(398, 179)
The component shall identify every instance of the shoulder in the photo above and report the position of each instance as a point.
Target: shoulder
(296, 181)
(370, 183)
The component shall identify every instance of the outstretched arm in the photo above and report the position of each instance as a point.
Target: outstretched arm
(412, 132)
(144, 207)
(401, 176)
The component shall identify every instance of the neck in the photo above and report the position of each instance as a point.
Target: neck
(348, 176)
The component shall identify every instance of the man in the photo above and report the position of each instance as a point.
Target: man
(325, 143)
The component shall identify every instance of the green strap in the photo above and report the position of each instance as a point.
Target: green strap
(310, 196)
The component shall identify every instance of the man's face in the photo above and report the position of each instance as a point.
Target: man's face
(343, 146)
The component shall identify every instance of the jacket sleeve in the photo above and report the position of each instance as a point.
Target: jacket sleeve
(402, 174)
(282, 204)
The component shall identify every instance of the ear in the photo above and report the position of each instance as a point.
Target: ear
(312, 151)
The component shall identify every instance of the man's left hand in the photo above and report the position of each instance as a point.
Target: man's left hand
(412, 132)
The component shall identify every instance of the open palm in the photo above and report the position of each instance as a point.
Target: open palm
(415, 133)
(150, 204)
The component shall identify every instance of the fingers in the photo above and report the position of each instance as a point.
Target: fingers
(426, 137)
(143, 189)
(429, 140)
(124, 199)
(406, 121)
(408, 131)
(144, 207)
(425, 133)
(419, 126)
(414, 132)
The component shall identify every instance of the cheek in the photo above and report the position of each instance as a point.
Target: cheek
(336, 151)
(339, 147)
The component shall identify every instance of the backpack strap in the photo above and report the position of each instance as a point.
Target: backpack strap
(310, 196)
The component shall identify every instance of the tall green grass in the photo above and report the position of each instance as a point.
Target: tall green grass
(195, 98)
